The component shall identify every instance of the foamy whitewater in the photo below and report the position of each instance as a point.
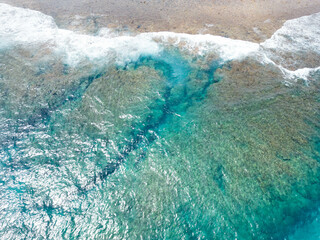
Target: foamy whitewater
(31, 28)
(296, 37)
(157, 135)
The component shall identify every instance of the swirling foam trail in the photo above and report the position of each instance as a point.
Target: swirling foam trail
(297, 37)
(26, 27)
(295, 47)
(31, 28)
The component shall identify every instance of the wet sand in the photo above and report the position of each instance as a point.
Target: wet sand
(253, 20)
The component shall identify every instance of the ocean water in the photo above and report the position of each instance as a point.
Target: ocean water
(157, 135)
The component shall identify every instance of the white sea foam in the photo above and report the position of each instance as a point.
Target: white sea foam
(27, 27)
(31, 28)
(300, 73)
(297, 38)
(296, 35)
(226, 48)
(295, 47)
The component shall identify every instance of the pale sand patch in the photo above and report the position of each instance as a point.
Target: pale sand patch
(253, 20)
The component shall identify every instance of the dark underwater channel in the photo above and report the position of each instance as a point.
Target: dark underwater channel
(152, 150)
(176, 72)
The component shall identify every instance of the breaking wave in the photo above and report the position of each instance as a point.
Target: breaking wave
(156, 135)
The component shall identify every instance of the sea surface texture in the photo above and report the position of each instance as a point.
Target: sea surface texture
(117, 135)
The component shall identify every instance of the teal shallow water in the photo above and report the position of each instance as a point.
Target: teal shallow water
(167, 147)
(166, 144)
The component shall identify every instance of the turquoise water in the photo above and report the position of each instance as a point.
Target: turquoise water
(157, 136)
(166, 147)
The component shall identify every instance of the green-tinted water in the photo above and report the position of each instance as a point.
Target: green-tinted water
(166, 147)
